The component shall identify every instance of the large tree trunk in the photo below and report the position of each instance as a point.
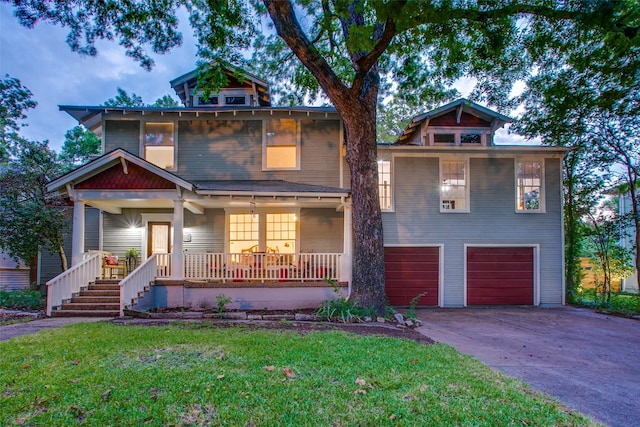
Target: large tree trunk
(356, 105)
(368, 252)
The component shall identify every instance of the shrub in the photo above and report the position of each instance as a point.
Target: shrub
(21, 300)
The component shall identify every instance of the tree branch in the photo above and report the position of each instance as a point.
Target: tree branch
(288, 28)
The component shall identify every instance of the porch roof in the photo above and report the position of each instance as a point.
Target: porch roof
(267, 188)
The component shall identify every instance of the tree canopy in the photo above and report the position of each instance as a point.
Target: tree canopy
(15, 100)
(353, 52)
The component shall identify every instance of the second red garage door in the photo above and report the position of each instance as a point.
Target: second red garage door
(501, 275)
(410, 271)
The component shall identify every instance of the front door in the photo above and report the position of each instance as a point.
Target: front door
(159, 238)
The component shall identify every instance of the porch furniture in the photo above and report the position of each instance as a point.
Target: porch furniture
(112, 266)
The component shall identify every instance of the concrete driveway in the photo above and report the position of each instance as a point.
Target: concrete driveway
(588, 361)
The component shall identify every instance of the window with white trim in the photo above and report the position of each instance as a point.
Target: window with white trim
(159, 144)
(263, 232)
(281, 144)
(529, 186)
(384, 184)
(453, 186)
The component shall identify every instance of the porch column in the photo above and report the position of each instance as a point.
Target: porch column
(177, 256)
(77, 241)
(347, 251)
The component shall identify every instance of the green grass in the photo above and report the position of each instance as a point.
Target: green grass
(198, 374)
(621, 302)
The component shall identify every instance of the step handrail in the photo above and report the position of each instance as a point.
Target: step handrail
(136, 281)
(69, 282)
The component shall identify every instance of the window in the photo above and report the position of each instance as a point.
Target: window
(453, 186)
(211, 100)
(281, 144)
(235, 100)
(470, 138)
(529, 186)
(159, 147)
(263, 232)
(281, 232)
(444, 138)
(384, 184)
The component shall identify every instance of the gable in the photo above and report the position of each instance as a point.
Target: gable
(466, 120)
(129, 177)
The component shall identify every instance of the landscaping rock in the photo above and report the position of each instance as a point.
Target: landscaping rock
(367, 319)
(409, 323)
(380, 319)
(278, 317)
(307, 317)
(235, 315)
(254, 317)
(399, 318)
(192, 315)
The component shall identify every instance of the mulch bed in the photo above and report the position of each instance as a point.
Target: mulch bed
(365, 329)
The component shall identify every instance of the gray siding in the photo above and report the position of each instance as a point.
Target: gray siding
(124, 231)
(123, 134)
(50, 265)
(417, 219)
(207, 231)
(321, 230)
(232, 149)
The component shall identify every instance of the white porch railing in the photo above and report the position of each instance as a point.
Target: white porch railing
(239, 267)
(63, 286)
(135, 283)
(163, 265)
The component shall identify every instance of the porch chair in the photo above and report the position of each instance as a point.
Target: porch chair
(111, 263)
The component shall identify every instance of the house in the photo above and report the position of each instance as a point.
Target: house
(628, 284)
(14, 276)
(230, 195)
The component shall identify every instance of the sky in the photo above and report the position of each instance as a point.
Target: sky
(43, 62)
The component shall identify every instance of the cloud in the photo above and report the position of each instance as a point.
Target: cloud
(45, 64)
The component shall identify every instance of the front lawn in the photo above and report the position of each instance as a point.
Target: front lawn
(200, 374)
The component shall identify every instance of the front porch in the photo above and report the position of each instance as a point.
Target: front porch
(251, 280)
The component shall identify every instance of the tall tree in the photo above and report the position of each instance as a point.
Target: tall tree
(32, 219)
(15, 99)
(80, 145)
(123, 99)
(347, 48)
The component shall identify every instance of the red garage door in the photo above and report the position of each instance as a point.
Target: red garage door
(499, 276)
(409, 272)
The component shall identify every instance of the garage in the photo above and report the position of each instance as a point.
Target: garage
(410, 271)
(500, 275)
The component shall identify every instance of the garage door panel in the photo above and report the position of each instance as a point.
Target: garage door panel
(410, 271)
(500, 276)
(504, 275)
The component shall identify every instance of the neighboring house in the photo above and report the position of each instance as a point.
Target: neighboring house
(14, 276)
(231, 195)
(629, 284)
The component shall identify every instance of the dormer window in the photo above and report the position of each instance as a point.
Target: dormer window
(471, 138)
(225, 98)
(444, 138)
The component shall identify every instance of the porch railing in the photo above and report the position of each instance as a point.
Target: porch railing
(63, 286)
(263, 266)
(135, 283)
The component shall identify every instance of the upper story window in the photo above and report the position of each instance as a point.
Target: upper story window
(529, 186)
(281, 144)
(470, 138)
(159, 144)
(224, 98)
(384, 184)
(454, 194)
(458, 136)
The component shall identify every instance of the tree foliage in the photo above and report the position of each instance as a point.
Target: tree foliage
(32, 219)
(15, 100)
(352, 52)
(123, 99)
(80, 145)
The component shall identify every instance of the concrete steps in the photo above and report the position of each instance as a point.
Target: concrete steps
(99, 299)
